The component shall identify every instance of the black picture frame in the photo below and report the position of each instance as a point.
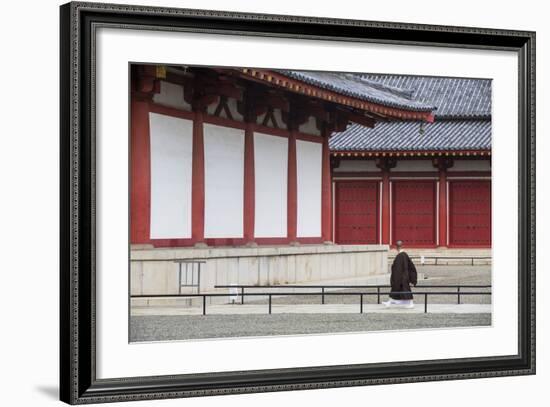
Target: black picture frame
(78, 382)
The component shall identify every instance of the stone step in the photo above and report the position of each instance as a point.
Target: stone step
(441, 253)
(262, 309)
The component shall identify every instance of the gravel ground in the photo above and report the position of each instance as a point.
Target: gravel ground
(433, 275)
(166, 328)
(160, 328)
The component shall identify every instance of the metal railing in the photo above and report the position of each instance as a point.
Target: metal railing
(323, 293)
(324, 287)
(192, 268)
(436, 258)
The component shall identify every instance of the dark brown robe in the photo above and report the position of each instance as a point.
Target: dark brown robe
(403, 274)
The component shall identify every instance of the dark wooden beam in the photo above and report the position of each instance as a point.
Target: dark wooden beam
(361, 119)
(443, 163)
(386, 163)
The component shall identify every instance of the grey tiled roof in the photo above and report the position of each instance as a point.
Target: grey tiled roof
(453, 97)
(462, 110)
(443, 135)
(361, 88)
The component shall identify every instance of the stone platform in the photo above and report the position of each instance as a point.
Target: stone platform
(155, 270)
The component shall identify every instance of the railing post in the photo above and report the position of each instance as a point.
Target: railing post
(270, 303)
(179, 278)
(361, 309)
(425, 303)
(458, 294)
(378, 293)
(322, 295)
(204, 305)
(199, 279)
(242, 295)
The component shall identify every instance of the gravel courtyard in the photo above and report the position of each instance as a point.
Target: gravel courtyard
(166, 328)
(182, 327)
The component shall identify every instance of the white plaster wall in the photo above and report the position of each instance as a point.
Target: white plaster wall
(223, 181)
(414, 165)
(171, 95)
(171, 166)
(310, 127)
(271, 185)
(356, 165)
(309, 172)
(471, 165)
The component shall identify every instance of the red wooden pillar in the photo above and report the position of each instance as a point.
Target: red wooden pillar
(140, 157)
(385, 207)
(385, 165)
(292, 199)
(197, 180)
(443, 164)
(249, 184)
(326, 191)
(144, 85)
(442, 208)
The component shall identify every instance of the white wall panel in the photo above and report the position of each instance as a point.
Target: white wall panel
(171, 167)
(224, 182)
(271, 185)
(309, 172)
(310, 127)
(171, 95)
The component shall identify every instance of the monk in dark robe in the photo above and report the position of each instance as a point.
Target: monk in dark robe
(403, 274)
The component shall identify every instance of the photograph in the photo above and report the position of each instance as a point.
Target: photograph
(274, 204)
(270, 201)
(255, 202)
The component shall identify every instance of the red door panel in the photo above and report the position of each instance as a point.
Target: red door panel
(413, 212)
(470, 213)
(357, 212)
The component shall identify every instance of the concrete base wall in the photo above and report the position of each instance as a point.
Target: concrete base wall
(155, 271)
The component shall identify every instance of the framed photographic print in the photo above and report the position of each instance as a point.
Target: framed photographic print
(255, 203)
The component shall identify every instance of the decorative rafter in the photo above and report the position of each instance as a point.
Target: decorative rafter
(462, 153)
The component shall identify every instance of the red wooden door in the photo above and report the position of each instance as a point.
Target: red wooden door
(413, 212)
(357, 212)
(470, 213)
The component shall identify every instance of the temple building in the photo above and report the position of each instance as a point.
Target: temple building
(427, 184)
(229, 157)
(279, 176)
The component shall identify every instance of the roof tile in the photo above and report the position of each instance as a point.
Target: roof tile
(444, 135)
(361, 88)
